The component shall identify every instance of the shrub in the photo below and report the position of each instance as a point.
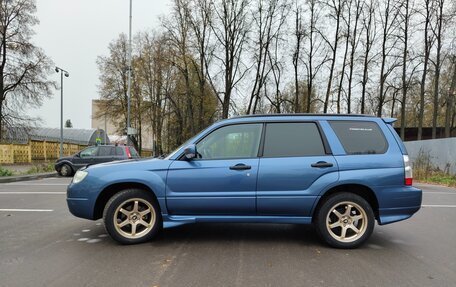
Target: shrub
(5, 172)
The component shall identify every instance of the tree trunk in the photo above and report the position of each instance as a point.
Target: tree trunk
(437, 69)
(334, 54)
(404, 71)
(427, 48)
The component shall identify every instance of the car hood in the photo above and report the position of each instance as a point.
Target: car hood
(130, 165)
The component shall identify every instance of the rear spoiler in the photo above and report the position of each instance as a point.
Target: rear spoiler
(389, 121)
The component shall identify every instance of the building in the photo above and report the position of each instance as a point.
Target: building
(110, 125)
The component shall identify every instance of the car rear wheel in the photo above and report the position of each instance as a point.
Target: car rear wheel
(345, 220)
(132, 216)
(66, 170)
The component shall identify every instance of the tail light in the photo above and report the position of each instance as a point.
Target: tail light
(408, 171)
(127, 149)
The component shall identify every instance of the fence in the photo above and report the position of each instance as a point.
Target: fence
(36, 151)
(441, 153)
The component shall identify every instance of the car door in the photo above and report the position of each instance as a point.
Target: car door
(86, 156)
(222, 181)
(292, 164)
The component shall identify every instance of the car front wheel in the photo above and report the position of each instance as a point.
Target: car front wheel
(345, 220)
(66, 170)
(132, 216)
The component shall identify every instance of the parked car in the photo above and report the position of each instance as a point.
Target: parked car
(339, 172)
(67, 166)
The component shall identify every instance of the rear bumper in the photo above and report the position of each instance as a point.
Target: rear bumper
(400, 203)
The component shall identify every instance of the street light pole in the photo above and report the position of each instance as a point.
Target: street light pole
(62, 73)
(129, 76)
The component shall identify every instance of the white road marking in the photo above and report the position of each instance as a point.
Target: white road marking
(37, 184)
(439, 192)
(438, 205)
(25, 210)
(32, 192)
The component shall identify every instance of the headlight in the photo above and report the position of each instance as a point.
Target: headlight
(79, 176)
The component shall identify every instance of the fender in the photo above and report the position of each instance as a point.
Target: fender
(150, 173)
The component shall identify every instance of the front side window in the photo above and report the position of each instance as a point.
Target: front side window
(359, 137)
(235, 141)
(292, 140)
(91, 151)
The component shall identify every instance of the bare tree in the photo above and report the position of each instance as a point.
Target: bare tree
(347, 20)
(353, 46)
(178, 31)
(23, 66)
(201, 15)
(298, 36)
(369, 24)
(268, 19)
(314, 54)
(450, 98)
(113, 82)
(428, 42)
(230, 28)
(405, 37)
(335, 7)
(389, 40)
(437, 31)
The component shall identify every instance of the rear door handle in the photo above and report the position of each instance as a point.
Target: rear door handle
(322, 164)
(240, 166)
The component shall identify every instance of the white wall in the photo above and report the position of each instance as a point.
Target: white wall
(442, 152)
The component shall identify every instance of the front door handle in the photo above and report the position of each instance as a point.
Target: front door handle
(240, 166)
(322, 164)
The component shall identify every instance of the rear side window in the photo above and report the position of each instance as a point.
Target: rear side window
(292, 140)
(119, 150)
(106, 151)
(358, 137)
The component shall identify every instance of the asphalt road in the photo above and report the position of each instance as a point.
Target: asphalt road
(42, 244)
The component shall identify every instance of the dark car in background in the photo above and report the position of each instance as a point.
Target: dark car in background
(67, 166)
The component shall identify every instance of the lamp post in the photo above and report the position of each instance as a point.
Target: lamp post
(62, 73)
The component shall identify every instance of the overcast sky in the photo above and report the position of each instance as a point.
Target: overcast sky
(73, 34)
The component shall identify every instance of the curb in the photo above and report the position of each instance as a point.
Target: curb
(6, 179)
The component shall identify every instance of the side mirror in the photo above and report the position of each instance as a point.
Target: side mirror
(190, 152)
(78, 154)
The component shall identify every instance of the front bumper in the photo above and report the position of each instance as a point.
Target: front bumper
(81, 199)
(80, 207)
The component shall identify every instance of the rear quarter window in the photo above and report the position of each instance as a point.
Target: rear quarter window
(359, 137)
(133, 152)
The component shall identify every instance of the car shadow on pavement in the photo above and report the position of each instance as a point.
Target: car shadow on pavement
(229, 232)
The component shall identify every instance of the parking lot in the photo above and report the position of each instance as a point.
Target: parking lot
(42, 244)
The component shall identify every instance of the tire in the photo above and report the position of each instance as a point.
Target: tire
(345, 211)
(132, 216)
(66, 170)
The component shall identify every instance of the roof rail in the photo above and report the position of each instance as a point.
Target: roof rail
(301, 114)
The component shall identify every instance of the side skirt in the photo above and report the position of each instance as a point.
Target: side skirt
(176, 220)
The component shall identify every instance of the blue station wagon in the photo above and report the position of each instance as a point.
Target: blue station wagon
(340, 173)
